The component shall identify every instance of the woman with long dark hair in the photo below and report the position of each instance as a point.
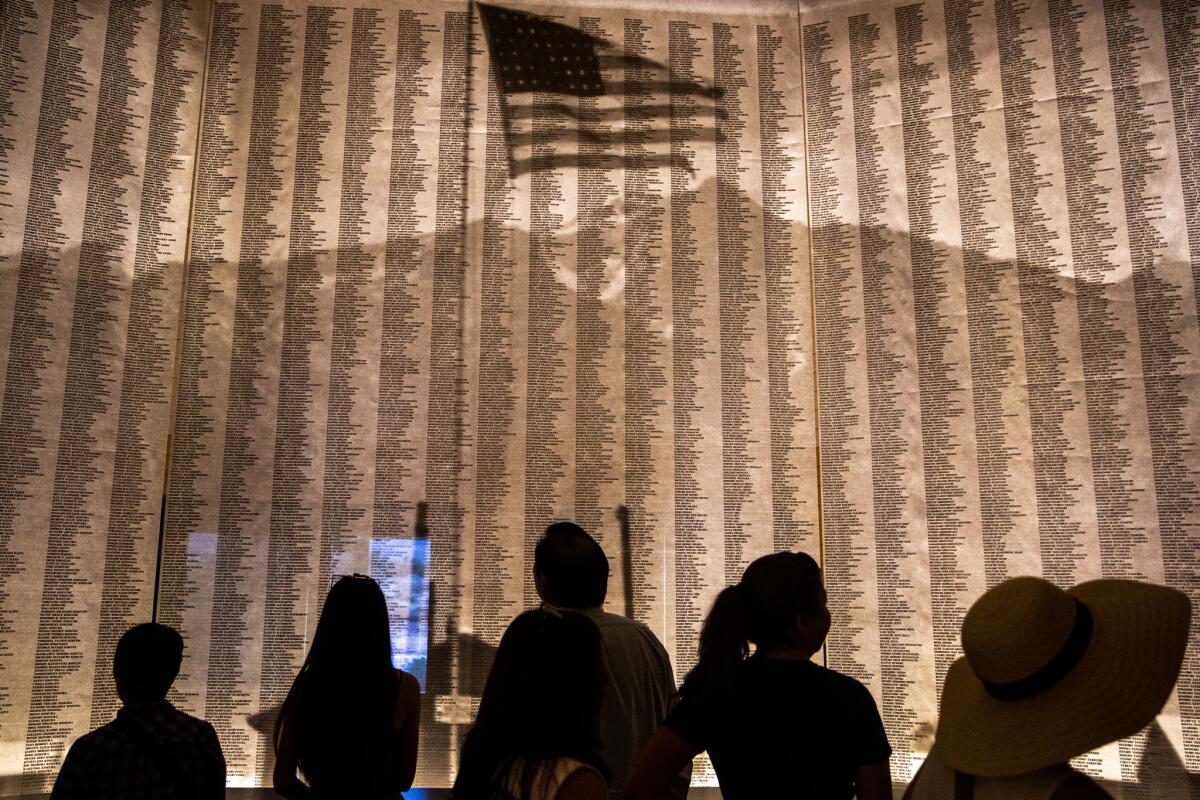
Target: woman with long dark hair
(350, 722)
(774, 723)
(535, 736)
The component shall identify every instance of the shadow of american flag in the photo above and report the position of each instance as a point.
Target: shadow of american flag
(551, 79)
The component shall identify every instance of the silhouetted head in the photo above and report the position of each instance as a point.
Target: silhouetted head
(146, 662)
(780, 601)
(570, 568)
(342, 703)
(784, 602)
(353, 631)
(541, 701)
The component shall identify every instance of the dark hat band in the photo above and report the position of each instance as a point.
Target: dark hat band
(1058, 667)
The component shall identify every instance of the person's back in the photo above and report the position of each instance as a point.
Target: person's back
(350, 722)
(571, 571)
(784, 725)
(638, 695)
(535, 735)
(151, 750)
(344, 761)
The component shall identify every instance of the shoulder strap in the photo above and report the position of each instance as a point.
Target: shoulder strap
(563, 769)
(964, 786)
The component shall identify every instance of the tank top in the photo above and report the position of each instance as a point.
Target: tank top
(548, 779)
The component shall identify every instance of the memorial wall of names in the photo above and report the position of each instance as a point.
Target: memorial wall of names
(910, 286)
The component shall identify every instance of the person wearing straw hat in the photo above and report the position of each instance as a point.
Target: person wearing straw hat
(1048, 675)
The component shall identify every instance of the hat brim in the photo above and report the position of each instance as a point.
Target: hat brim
(1119, 685)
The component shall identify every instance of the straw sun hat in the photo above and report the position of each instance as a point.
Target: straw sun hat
(1051, 674)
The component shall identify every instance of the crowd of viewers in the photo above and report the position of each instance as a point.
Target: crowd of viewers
(581, 704)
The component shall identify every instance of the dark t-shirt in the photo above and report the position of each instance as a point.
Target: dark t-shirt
(785, 729)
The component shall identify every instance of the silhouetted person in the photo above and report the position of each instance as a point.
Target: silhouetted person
(774, 724)
(350, 721)
(1048, 675)
(570, 570)
(536, 734)
(151, 750)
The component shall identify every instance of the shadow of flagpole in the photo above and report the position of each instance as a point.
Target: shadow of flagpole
(626, 560)
(454, 623)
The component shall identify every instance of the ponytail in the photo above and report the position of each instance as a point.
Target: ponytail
(724, 643)
(761, 608)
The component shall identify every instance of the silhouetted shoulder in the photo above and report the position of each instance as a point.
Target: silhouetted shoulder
(610, 624)
(605, 619)
(845, 682)
(97, 743)
(208, 736)
(408, 696)
(583, 784)
(409, 685)
(838, 684)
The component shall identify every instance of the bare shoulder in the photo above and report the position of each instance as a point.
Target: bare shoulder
(408, 698)
(583, 784)
(1080, 787)
(409, 685)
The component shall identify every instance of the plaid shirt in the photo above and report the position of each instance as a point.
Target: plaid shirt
(151, 750)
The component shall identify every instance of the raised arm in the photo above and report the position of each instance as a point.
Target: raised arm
(683, 779)
(658, 768)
